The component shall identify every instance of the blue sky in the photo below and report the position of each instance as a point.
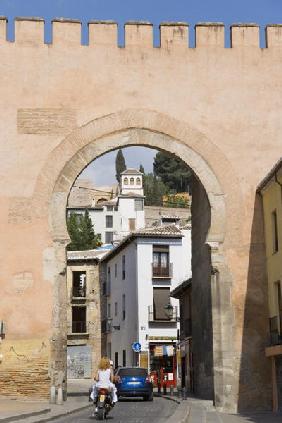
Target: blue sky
(155, 11)
(102, 170)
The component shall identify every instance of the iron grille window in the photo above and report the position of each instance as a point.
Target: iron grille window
(79, 284)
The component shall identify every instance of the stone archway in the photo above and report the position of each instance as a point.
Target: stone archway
(212, 169)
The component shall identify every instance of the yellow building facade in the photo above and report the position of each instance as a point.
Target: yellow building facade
(270, 190)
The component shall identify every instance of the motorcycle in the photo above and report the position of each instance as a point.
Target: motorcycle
(103, 404)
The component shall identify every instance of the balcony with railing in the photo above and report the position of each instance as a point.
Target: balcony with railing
(275, 334)
(166, 315)
(162, 272)
(79, 291)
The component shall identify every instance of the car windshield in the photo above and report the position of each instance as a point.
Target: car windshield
(132, 372)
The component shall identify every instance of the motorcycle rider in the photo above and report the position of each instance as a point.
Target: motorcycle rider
(104, 379)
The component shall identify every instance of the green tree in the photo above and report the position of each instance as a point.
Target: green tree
(81, 232)
(120, 164)
(154, 190)
(174, 173)
(141, 169)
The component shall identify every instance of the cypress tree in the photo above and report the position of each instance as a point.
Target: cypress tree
(141, 169)
(120, 164)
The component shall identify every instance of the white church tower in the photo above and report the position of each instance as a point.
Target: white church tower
(132, 182)
(131, 201)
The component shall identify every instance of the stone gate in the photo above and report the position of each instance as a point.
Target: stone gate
(64, 104)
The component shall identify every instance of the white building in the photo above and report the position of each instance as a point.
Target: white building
(139, 275)
(116, 218)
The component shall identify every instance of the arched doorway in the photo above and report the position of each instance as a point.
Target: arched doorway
(212, 175)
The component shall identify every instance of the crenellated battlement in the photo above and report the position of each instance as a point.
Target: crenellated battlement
(173, 35)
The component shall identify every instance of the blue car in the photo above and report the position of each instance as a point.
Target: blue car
(133, 382)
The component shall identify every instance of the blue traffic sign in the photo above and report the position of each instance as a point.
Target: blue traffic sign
(136, 347)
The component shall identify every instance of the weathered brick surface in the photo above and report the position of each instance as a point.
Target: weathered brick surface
(24, 370)
(45, 121)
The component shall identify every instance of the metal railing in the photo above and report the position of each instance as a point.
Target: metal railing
(79, 292)
(162, 272)
(166, 315)
(275, 336)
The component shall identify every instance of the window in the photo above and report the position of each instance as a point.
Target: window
(109, 310)
(138, 181)
(123, 358)
(109, 221)
(109, 282)
(131, 181)
(125, 181)
(116, 360)
(138, 204)
(274, 231)
(116, 309)
(116, 270)
(79, 284)
(123, 307)
(123, 267)
(132, 224)
(104, 288)
(161, 298)
(161, 261)
(109, 236)
(110, 208)
(78, 319)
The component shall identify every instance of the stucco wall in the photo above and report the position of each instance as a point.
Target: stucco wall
(217, 108)
(123, 338)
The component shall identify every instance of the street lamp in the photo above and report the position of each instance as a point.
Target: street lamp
(110, 324)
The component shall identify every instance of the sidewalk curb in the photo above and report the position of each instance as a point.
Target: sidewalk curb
(182, 412)
(66, 413)
(24, 416)
(42, 416)
(181, 415)
(167, 397)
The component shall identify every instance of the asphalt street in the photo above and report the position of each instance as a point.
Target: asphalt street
(130, 411)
